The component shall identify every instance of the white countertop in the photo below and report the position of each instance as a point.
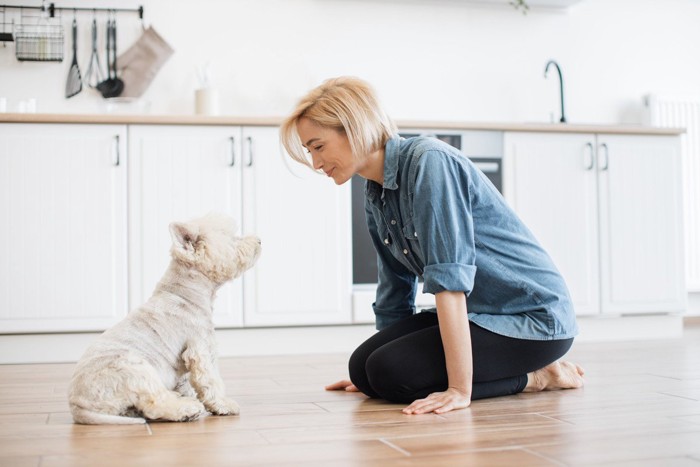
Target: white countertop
(147, 119)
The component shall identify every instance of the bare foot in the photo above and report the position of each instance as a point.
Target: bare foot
(557, 375)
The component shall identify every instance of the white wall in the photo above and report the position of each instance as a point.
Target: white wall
(446, 59)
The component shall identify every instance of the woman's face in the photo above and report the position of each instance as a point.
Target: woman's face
(330, 150)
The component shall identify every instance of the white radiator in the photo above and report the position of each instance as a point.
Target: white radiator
(685, 113)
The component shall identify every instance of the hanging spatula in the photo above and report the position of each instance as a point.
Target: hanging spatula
(74, 83)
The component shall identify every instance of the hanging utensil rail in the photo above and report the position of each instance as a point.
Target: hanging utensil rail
(43, 41)
(52, 9)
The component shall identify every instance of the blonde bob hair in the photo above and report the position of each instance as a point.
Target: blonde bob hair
(345, 104)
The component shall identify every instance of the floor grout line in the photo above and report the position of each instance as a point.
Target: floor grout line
(675, 395)
(556, 419)
(393, 446)
(542, 456)
(321, 407)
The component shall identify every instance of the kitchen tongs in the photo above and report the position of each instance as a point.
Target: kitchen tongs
(94, 75)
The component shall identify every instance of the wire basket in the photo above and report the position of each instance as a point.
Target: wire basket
(39, 42)
(6, 32)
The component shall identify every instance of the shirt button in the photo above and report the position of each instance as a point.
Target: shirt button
(386, 241)
(393, 222)
(405, 252)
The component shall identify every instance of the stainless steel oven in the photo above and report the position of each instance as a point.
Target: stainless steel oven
(484, 148)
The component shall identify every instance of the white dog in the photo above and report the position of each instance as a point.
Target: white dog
(159, 363)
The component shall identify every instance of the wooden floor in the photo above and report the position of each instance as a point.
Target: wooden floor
(640, 407)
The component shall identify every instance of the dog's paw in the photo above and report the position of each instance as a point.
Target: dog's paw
(189, 409)
(224, 406)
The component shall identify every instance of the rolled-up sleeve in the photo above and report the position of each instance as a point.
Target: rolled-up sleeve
(443, 221)
(396, 287)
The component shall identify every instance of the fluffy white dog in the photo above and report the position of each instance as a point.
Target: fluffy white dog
(159, 363)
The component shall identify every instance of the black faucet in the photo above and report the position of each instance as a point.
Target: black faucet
(561, 86)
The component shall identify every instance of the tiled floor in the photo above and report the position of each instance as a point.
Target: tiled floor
(640, 406)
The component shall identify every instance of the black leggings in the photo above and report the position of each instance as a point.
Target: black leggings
(406, 361)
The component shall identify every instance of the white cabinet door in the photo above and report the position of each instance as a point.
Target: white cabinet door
(303, 275)
(641, 224)
(62, 227)
(553, 188)
(608, 210)
(178, 173)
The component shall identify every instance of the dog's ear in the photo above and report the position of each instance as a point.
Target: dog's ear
(184, 237)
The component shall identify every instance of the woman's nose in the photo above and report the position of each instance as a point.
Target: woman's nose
(317, 163)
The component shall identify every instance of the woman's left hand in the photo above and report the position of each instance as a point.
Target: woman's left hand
(439, 402)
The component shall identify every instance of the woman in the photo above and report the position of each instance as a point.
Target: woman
(432, 214)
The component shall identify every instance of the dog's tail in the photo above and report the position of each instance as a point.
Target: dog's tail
(87, 417)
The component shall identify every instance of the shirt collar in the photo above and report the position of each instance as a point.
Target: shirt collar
(391, 163)
(391, 168)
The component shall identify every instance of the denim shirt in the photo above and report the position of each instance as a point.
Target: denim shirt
(437, 217)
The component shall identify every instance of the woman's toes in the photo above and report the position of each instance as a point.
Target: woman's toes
(557, 375)
(568, 376)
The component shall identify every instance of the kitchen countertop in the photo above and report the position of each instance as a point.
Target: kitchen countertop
(148, 119)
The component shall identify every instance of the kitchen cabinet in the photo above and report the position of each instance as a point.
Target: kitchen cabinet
(180, 172)
(85, 209)
(608, 210)
(63, 227)
(177, 173)
(304, 274)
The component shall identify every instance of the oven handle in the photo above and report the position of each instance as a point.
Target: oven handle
(487, 167)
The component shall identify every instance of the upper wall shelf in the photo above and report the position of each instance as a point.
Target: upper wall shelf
(552, 4)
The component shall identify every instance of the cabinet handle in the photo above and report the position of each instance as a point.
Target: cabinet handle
(604, 167)
(233, 151)
(116, 141)
(250, 151)
(588, 156)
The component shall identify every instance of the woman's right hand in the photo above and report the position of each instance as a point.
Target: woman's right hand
(344, 385)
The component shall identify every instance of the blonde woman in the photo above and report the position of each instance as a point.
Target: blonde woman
(503, 316)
